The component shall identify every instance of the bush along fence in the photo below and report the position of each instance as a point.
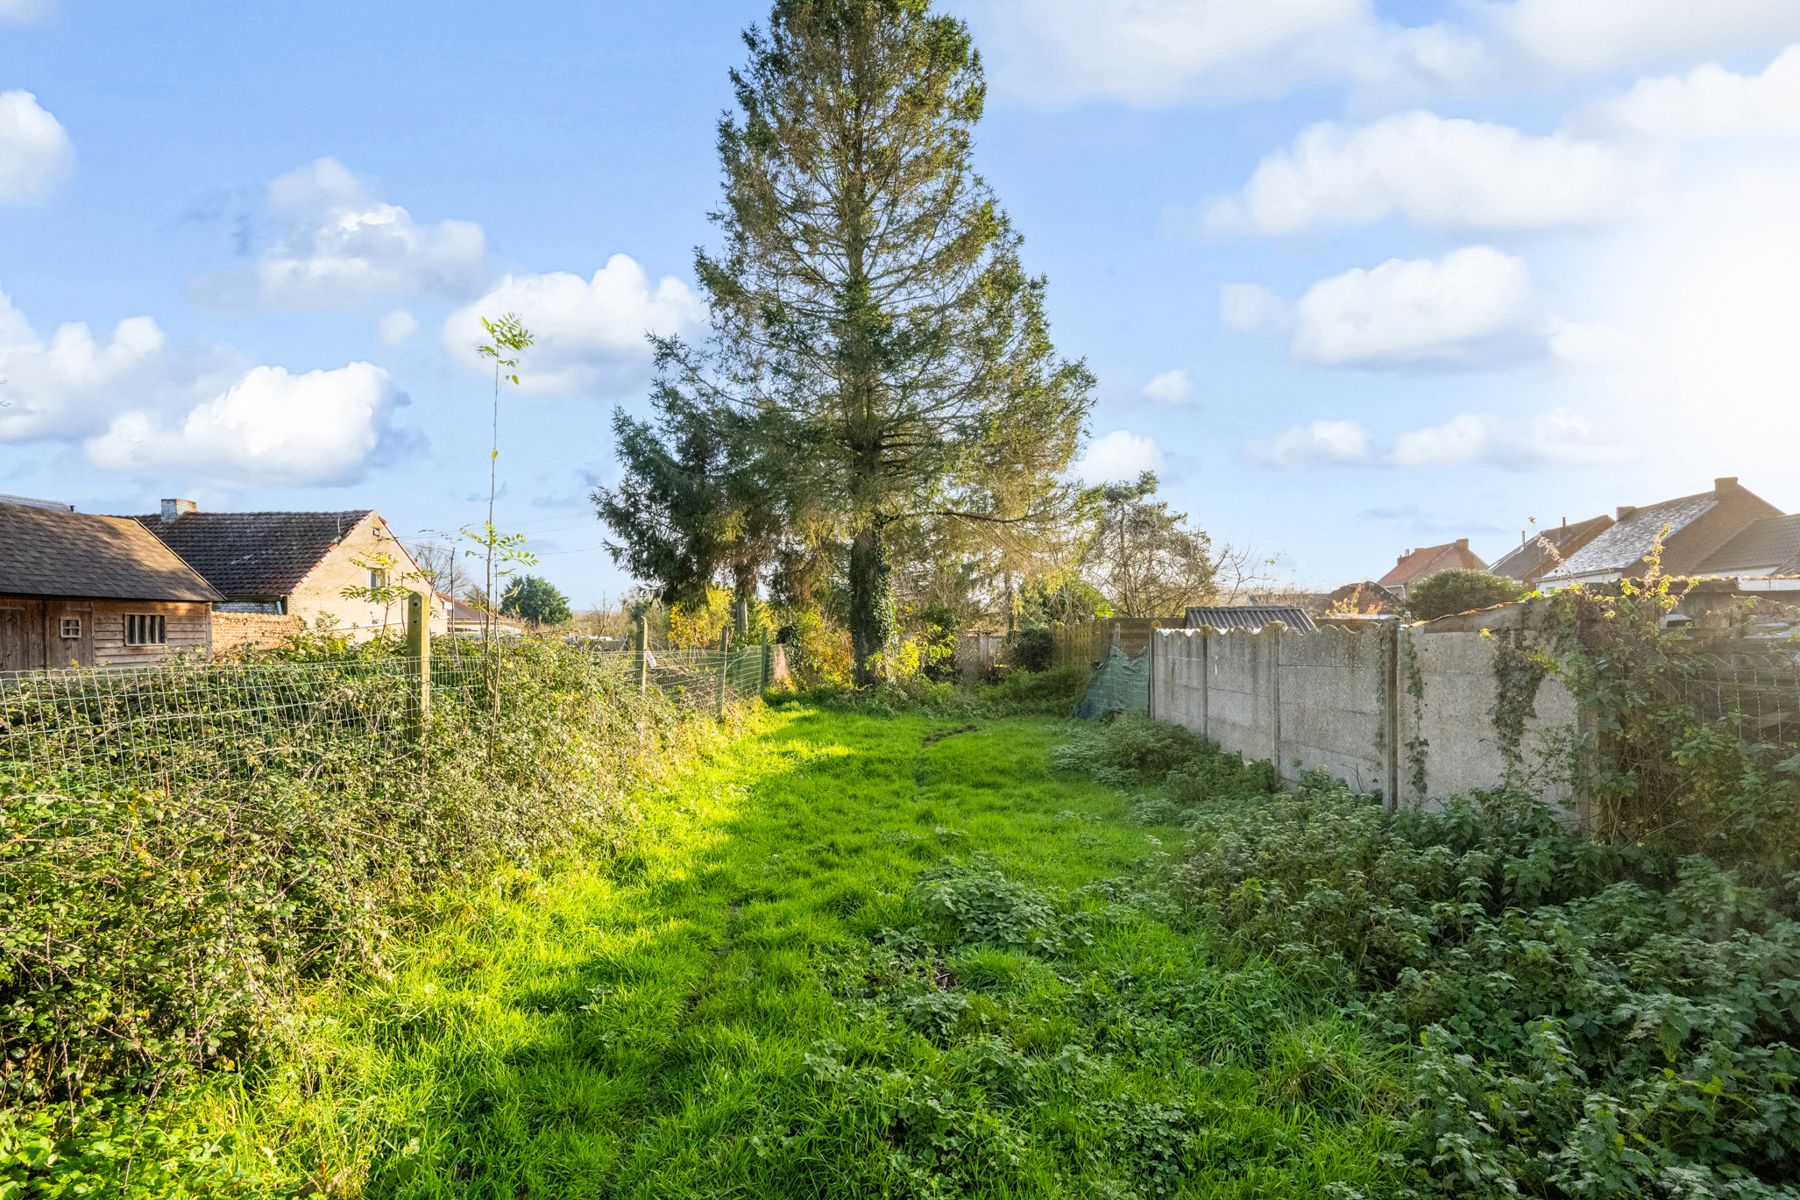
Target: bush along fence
(182, 847)
(1583, 701)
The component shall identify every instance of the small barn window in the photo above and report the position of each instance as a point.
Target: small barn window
(71, 627)
(145, 629)
(378, 578)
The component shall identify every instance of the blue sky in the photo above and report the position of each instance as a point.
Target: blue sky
(1354, 278)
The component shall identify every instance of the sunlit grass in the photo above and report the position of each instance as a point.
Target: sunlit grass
(745, 1004)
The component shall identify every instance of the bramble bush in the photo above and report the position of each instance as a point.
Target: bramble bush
(1590, 1018)
(154, 930)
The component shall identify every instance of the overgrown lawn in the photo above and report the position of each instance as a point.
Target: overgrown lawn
(850, 956)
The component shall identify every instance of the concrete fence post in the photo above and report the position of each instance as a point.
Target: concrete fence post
(1274, 632)
(1390, 719)
(418, 652)
(1206, 683)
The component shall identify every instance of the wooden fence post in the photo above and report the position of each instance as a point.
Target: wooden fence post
(767, 653)
(418, 652)
(1150, 664)
(724, 665)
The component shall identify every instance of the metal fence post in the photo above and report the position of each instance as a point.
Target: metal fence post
(643, 654)
(724, 665)
(418, 652)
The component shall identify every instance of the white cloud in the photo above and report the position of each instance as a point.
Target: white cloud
(1708, 102)
(66, 383)
(1160, 52)
(1435, 172)
(269, 429)
(396, 328)
(1253, 308)
(1321, 443)
(36, 155)
(590, 332)
(1170, 388)
(1472, 308)
(19, 12)
(1116, 456)
(342, 246)
(1590, 36)
(1557, 438)
(140, 404)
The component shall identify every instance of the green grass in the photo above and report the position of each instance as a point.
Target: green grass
(846, 956)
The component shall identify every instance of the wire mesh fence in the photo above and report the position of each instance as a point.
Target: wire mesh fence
(1750, 687)
(148, 725)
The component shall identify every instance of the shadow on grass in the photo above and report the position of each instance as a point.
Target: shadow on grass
(746, 1004)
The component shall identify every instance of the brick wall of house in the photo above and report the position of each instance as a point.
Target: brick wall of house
(239, 631)
(320, 596)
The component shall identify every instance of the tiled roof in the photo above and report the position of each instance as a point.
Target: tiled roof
(254, 554)
(1531, 560)
(50, 552)
(1367, 595)
(1248, 616)
(1634, 535)
(1429, 560)
(1771, 544)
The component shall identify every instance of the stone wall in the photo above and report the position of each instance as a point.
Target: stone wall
(1406, 712)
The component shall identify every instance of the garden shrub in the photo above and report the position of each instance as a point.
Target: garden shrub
(156, 929)
(1128, 750)
(1033, 649)
(1589, 1019)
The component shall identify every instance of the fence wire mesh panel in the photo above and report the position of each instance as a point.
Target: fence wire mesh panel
(1751, 689)
(154, 725)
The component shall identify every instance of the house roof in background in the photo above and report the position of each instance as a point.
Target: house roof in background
(1415, 565)
(461, 611)
(1771, 544)
(254, 553)
(1532, 560)
(1634, 535)
(1368, 593)
(1248, 616)
(54, 552)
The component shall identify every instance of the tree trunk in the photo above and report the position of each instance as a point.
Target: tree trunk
(871, 602)
(743, 592)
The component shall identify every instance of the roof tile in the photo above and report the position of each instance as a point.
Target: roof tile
(54, 552)
(254, 554)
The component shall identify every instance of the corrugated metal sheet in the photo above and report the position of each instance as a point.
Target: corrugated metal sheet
(1248, 616)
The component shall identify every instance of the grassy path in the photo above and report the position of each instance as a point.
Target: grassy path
(851, 957)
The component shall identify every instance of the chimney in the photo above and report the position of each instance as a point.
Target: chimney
(1625, 510)
(1725, 484)
(1565, 522)
(1462, 543)
(174, 510)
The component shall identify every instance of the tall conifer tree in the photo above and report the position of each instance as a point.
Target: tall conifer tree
(875, 342)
